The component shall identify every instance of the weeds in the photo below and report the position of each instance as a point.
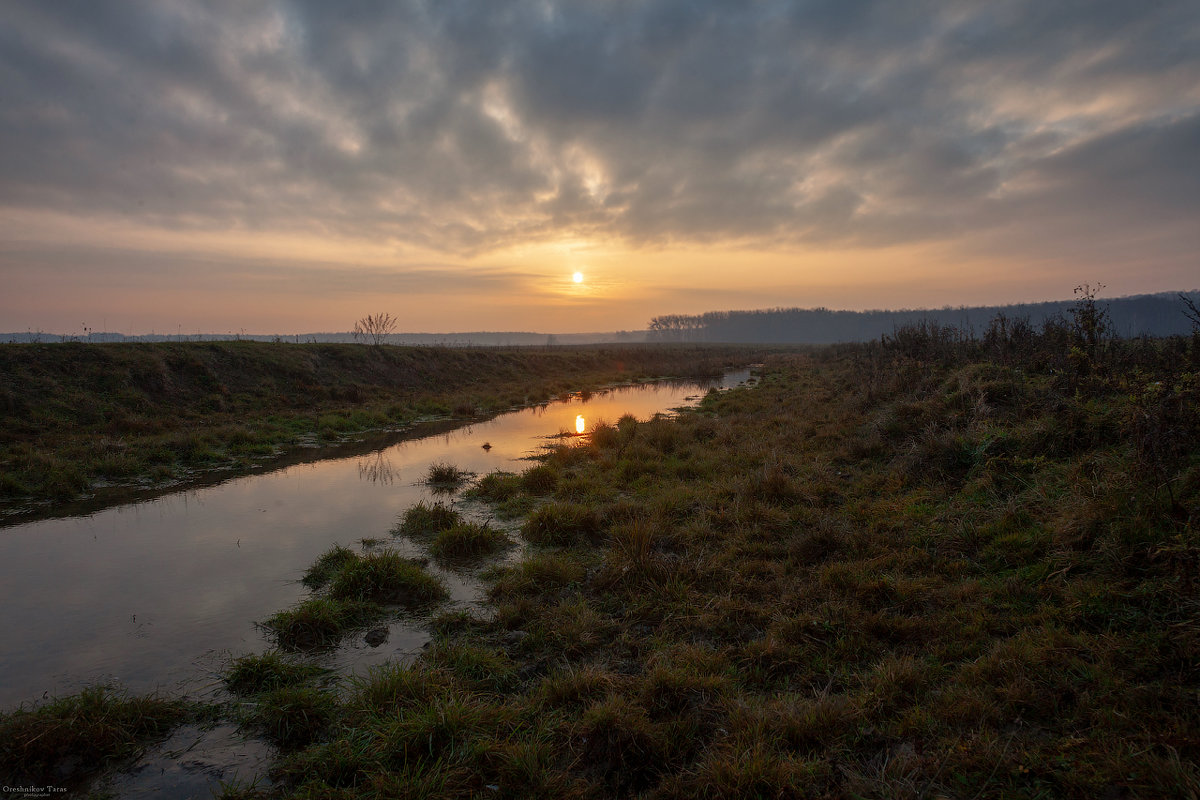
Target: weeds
(294, 716)
(328, 565)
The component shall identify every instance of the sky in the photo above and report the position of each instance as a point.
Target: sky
(291, 166)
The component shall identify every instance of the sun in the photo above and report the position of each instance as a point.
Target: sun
(577, 277)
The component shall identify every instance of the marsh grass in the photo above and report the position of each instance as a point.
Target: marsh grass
(496, 487)
(467, 541)
(254, 674)
(328, 565)
(562, 524)
(388, 578)
(918, 568)
(294, 716)
(423, 520)
(446, 478)
(321, 622)
(71, 739)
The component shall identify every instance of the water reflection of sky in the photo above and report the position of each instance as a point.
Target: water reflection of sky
(152, 593)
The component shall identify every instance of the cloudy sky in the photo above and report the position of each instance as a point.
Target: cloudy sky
(292, 165)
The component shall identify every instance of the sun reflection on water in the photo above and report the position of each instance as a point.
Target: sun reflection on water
(580, 425)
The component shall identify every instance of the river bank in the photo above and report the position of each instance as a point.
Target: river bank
(77, 420)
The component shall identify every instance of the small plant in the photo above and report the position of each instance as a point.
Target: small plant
(561, 524)
(392, 687)
(293, 716)
(539, 480)
(497, 487)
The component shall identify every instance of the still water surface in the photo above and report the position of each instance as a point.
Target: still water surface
(158, 594)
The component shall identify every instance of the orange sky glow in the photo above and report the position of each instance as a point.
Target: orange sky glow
(281, 169)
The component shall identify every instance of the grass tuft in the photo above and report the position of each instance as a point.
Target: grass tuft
(328, 565)
(467, 541)
(446, 476)
(261, 673)
(295, 716)
(321, 622)
(388, 578)
(73, 738)
(423, 520)
(562, 524)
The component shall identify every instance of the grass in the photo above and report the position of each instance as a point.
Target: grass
(924, 567)
(321, 622)
(71, 739)
(254, 674)
(328, 565)
(446, 477)
(467, 541)
(83, 418)
(870, 574)
(423, 520)
(387, 578)
(354, 591)
(294, 716)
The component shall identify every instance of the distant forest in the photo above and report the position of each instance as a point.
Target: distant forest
(1160, 314)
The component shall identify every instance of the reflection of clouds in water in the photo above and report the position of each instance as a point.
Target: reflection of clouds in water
(203, 564)
(377, 469)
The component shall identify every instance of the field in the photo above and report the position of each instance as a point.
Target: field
(933, 566)
(81, 419)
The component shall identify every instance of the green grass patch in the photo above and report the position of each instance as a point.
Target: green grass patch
(467, 541)
(321, 622)
(446, 477)
(425, 520)
(254, 674)
(562, 524)
(71, 739)
(328, 565)
(388, 578)
(294, 716)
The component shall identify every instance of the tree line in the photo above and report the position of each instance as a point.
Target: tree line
(1163, 314)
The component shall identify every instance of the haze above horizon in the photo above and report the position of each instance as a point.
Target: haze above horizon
(547, 165)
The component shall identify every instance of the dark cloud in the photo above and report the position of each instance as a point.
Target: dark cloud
(468, 126)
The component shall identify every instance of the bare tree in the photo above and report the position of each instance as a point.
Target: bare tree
(374, 328)
(1191, 311)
